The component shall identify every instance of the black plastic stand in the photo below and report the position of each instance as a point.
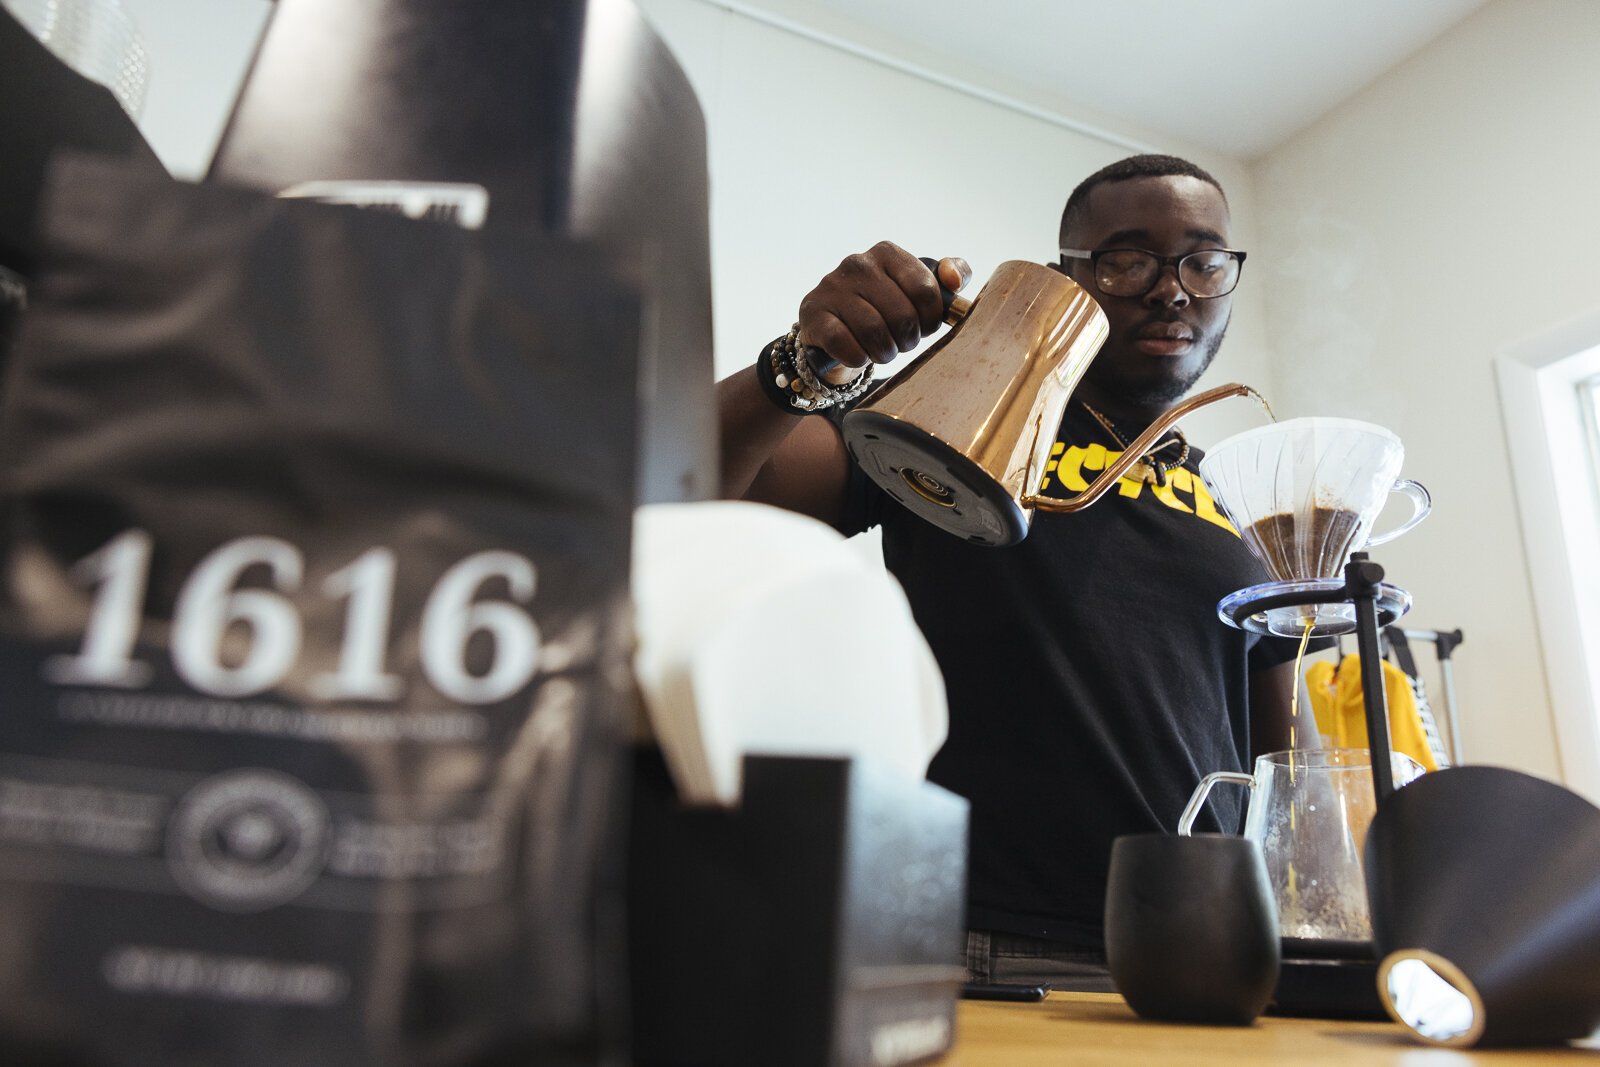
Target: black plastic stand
(1361, 578)
(1362, 589)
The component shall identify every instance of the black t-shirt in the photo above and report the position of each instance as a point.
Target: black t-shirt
(1091, 684)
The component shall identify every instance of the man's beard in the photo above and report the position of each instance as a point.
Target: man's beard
(1165, 392)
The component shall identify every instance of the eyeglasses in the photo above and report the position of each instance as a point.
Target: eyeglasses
(1204, 275)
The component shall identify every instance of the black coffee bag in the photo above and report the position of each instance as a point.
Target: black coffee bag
(313, 635)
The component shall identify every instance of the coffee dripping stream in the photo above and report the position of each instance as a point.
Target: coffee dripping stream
(962, 436)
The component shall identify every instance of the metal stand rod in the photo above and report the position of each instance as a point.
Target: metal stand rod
(1452, 725)
(1361, 585)
(1445, 642)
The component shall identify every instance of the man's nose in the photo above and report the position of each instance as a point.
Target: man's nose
(1166, 290)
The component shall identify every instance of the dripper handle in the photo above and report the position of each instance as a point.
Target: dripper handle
(1191, 810)
(1421, 504)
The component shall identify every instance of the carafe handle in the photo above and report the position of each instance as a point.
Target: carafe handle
(1191, 810)
(1421, 504)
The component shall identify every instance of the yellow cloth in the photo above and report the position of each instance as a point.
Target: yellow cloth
(1336, 701)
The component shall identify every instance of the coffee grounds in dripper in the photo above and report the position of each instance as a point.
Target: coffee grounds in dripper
(1295, 546)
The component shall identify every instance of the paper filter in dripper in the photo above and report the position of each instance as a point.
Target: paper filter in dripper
(1303, 494)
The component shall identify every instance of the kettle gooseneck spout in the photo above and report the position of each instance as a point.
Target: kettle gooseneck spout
(1135, 451)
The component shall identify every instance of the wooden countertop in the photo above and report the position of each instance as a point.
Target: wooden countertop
(1098, 1028)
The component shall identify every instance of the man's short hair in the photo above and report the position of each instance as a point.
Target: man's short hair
(1146, 166)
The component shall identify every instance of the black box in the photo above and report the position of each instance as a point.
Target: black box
(819, 925)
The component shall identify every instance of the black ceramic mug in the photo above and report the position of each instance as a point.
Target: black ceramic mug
(1191, 927)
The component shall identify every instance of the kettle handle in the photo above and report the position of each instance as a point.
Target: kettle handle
(956, 308)
(1136, 450)
(1191, 810)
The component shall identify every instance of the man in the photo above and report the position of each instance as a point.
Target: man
(1091, 685)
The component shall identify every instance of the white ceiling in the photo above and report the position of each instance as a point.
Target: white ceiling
(1237, 76)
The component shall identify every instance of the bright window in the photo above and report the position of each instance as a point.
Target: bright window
(1550, 395)
(1589, 401)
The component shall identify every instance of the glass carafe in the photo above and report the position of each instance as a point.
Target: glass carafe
(1309, 811)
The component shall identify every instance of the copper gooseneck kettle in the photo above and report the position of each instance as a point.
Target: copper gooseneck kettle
(962, 435)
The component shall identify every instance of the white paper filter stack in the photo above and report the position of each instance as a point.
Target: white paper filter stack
(764, 632)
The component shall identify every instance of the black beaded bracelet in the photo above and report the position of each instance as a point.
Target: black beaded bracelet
(769, 369)
(792, 383)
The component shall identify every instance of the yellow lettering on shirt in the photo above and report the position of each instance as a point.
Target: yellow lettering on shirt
(1165, 494)
(1055, 459)
(1204, 506)
(1069, 470)
(1072, 465)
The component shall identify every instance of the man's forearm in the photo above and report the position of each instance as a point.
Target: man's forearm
(771, 457)
(751, 430)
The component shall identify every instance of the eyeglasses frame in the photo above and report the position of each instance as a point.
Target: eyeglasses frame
(1163, 262)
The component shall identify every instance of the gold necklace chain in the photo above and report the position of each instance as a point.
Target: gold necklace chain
(1157, 468)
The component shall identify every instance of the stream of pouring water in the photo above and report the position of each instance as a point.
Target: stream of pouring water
(1263, 402)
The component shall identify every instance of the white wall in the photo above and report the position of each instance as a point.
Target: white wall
(816, 153)
(1434, 221)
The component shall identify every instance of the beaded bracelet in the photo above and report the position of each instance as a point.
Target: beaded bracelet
(792, 383)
